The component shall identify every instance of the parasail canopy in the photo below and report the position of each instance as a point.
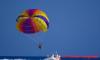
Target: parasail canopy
(32, 21)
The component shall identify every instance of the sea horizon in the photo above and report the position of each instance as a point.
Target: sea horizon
(43, 57)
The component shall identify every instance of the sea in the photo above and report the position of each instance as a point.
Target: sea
(40, 58)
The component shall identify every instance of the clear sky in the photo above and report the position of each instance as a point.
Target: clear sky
(74, 28)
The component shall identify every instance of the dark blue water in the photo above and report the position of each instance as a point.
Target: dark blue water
(41, 58)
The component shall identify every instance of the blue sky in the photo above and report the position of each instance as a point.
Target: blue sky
(74, 28)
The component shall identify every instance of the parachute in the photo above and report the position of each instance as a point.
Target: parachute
(32, 21)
